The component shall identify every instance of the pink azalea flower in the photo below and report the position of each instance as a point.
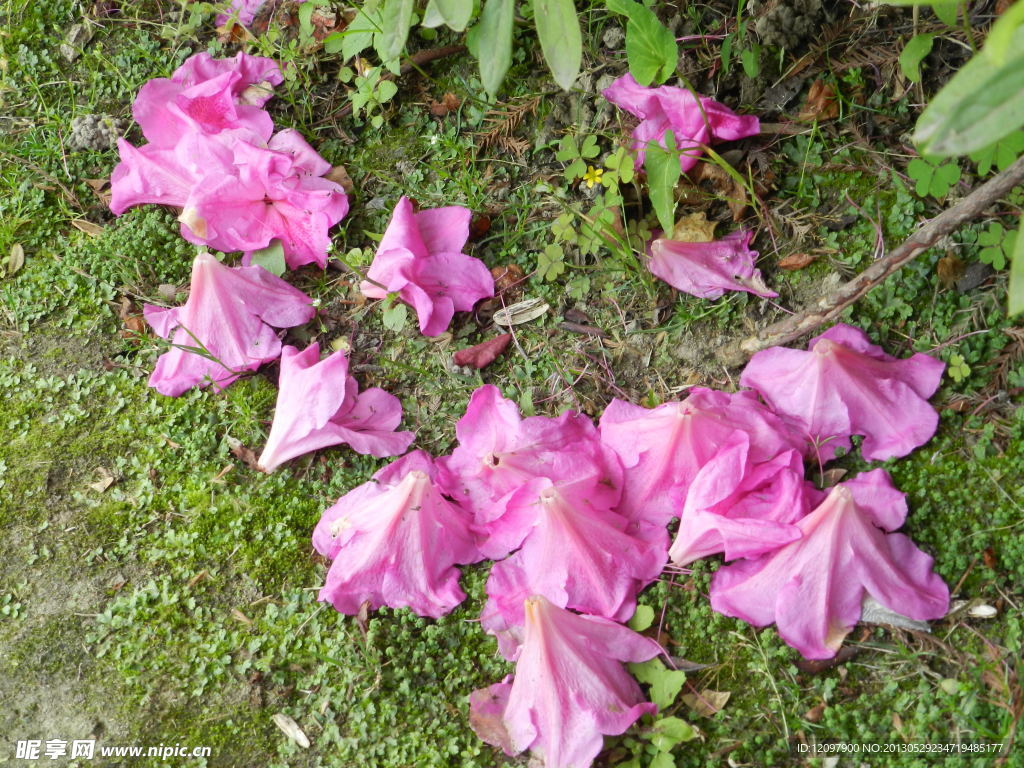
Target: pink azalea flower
(708, 270)
(813, 587)
(243, 10)
(420, 258)
(271, 195)
(742, 509)
(227, 319)
(575, 553)
(845, 385)
(570, 688)
(663, 449)
(251, 71)
(499, 452)
(395, 541)
(695, 121)
(319, 405)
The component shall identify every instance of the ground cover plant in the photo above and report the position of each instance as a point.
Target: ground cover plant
(583, 264)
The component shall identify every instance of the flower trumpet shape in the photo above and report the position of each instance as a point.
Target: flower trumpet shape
(395, 541)
(708, 270)
(845, 385)
(696, 121)
(813, 588)
(224, 328)
(569, 690)
(319, 404)
(420, 258)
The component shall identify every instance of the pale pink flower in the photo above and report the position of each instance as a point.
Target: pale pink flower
(813, 588)
(662, 449)
(570, 688)
(577, 554)
(226, 327)
(420, 258)
(708, 270)
(319, 405)
(742, 509)
(395, 541)
(271, 195)
(696, 121)
(845, 385)
(499, 452)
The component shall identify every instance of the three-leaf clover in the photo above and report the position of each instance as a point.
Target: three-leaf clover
(550, 262)
(958, 369)
(931, 177)
(998, 244)
(576, 156)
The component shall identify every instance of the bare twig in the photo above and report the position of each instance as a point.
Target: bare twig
(925, 237)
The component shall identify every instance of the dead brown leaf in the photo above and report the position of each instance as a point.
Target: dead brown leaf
(363, 617)
(814, 714)
(101, 188)
(105, 480)
(237, 615)
(15, 259)
(707, 702)
(723, 186)
(797, 261)
(507, 278)
(950, 269)
(197, 578)
(246, 455)
(339, 175)
(694, 228)
(84, 225)
(821, 104)
(448, 103)
(483, 354)
(133, 322)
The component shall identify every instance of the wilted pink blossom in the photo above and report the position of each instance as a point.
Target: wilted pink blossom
(740, 508)
(319, 405)
(662, 449)
(695, 121)
(251, 70)
(708, 270)
(813, 587)
(570, 688)
(395, 541)
(225, 327)
(499, 452)
(574, 552)
(271, 195)
(845, 385)
(420, 258)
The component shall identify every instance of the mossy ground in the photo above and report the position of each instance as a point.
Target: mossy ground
(178, 604)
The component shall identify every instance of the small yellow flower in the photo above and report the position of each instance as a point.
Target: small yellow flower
(593, 176)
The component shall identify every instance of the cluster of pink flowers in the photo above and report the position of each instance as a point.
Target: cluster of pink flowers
(212, 153)
(575, 518)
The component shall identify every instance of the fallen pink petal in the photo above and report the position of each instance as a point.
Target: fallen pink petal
(708, 270)
(845, 385)
(395, 541)
(420, 258)
(570, 688)
(226, 327)
(813, 587)
(319, 405)
(695, 121)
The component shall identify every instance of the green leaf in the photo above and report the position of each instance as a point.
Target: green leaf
(558, 28)
(588, 149)
(306, 17)
(395, 313)
(358, 35)
(386, 91)
(550, 262)
(271, 258)
(396, 18)
(921, 172)
(665, 683)
(670, 731)
(913, 54)
(493, 42)
(981, 104)
(650, 48)
(662, 174)
(946, 10)
(456, 13)
(1000, 36)
(1016, 290)
(642, 618)
(751, 60)
(567, 149)
(945, 177)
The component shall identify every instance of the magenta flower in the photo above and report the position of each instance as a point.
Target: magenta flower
(499, 452)
(695, 121)
(251, 70)
(813, 587)
(271, 195)
(845, 385)
(395, 541)
(224, 329)
(570, 688)
(420, 258)
(575, 553)
(664, 448)
(708, 270)
(319, 405)
(743, 509)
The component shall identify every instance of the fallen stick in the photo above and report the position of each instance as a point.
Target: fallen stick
(802, 323)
